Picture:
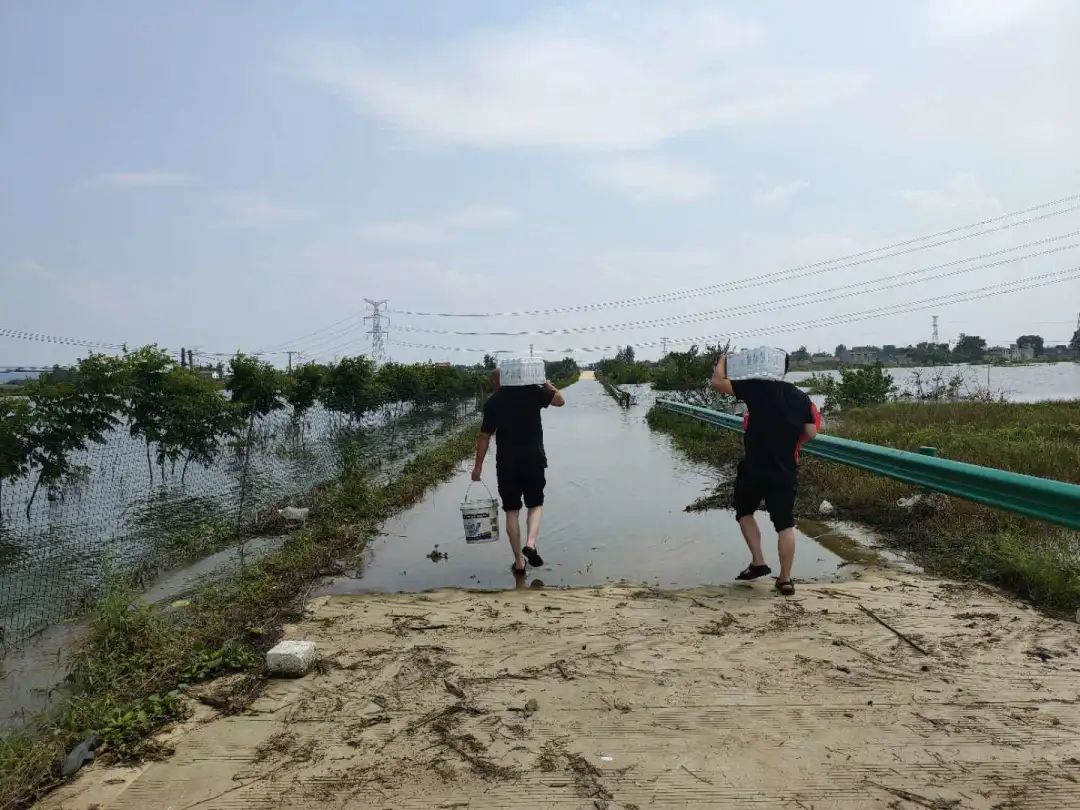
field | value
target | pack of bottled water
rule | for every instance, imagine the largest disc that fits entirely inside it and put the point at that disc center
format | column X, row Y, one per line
column 515, row 371
column 762, row 363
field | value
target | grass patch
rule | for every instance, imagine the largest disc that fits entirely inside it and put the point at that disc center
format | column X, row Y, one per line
column 947, row 536
column 128, row 679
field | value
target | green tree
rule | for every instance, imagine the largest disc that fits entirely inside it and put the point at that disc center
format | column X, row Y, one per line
column 1074, row 344
column 625, row 355
column 255, row 386
column 489, row 362
column 195, row 418
column 839, row 351
column 859, row 387
column 148, row 369
column 969, row 349
column 800, row 355
column 15, row 441
column 305, row 388
column 689, row 373
column 351, row 388
column 66, row 418
column 1034, row 341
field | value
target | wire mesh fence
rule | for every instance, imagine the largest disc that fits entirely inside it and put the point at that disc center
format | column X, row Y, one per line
column 123, row 513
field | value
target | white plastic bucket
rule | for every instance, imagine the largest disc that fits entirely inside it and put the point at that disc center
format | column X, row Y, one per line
column 481, row 518
column 518, row 371
column 762, row 363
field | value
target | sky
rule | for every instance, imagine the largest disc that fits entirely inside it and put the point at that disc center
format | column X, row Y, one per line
column 241, row 176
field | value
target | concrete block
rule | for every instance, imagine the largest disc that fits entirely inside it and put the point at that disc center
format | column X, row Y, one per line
column 291, row 659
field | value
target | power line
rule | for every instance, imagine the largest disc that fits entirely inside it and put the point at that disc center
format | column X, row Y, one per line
column 908, row 277
column 901, row 248
column 17, row 334
column 297, row 340
column 1017, row 285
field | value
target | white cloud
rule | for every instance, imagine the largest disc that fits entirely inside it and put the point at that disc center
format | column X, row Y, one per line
column 593, row 78
column 152, row 179
column 403, row 232
column 962, row 18
column 242, row 210
column 653, row 179
column 476, row 217
column 438, row 229
column 779, row 196
column 961, row 195
column 28, row 269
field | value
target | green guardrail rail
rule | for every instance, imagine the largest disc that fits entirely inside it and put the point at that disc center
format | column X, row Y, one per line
column 1043, row 498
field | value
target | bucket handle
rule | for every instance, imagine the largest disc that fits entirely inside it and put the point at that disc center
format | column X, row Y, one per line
column 485, row 486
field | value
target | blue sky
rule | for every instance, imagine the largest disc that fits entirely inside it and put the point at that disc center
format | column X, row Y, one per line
column 237, row 175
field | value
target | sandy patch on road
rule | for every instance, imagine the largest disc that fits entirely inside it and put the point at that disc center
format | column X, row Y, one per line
column 623, row 698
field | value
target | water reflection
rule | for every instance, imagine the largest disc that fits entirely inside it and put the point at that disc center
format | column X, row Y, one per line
column 615, row 512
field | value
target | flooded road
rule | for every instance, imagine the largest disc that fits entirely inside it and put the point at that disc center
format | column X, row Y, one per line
column 615, row 512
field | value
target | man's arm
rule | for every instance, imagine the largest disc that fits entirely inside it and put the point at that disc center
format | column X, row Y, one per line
column 483, row 441
column 719, row 381
column 811, row 428
column 557, row 399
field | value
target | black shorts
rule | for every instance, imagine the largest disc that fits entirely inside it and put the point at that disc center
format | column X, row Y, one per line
column 778, row 494
column 521, row 482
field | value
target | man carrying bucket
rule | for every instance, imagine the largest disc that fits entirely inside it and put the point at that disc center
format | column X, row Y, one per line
column 512, row 415
column 780, row 418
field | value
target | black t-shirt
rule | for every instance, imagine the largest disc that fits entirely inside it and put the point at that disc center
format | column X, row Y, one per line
column 778, row 412
column 513, row 414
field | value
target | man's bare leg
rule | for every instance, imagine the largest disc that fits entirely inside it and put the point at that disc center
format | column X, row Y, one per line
column 752, row 535
column 513, row 531
column 785, row 543
column 532, row 521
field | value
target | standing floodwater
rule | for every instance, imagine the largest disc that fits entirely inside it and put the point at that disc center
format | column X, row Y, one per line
column 615, row 511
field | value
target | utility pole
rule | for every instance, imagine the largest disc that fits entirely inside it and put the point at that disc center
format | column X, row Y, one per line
column 530, row 350
column 663, row 350
column 934, row 340
column 379, row 323
column 291, row 353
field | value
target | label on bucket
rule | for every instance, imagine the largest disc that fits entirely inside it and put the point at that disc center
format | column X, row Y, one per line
column 481, row 521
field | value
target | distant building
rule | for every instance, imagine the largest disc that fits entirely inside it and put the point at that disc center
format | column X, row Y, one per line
column 1059, row 352
column 819, row 358
column 1004, row 354
column 863, row 355
column 1027, row 352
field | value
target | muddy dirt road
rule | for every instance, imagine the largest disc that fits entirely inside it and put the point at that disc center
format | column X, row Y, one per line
column 614, row 697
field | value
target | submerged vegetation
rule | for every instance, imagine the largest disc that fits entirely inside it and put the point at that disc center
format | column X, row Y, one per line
column 182, row 415
column 135, row 672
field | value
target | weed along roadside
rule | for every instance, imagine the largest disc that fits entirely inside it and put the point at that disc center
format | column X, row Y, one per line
column 140, row 666
column 143, row 667
column 948, row 536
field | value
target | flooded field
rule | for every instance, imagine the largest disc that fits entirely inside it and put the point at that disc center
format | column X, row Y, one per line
column 1037, row 382
column 125, row 516
column 615, row 512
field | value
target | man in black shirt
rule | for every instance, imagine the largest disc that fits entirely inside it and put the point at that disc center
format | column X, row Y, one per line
column 512, row 415
column 781, row 417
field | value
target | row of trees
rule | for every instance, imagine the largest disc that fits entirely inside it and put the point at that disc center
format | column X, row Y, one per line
column 183, row 416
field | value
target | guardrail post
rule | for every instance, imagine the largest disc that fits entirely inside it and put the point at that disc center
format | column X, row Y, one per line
column 928, row 451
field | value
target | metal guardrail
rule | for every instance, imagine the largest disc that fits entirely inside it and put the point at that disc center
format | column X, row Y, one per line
column 1043, row 498
column 622, row 397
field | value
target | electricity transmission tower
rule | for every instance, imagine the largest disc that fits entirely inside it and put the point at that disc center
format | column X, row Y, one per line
column 379, row 321
column 934, row 340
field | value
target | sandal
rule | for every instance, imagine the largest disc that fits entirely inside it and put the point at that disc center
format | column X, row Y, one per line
column 754, row 572
column 534, row 558
column 787, row 588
